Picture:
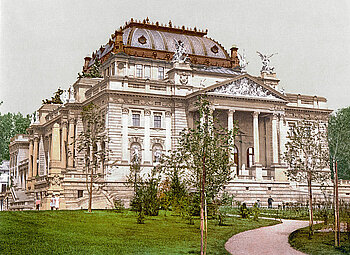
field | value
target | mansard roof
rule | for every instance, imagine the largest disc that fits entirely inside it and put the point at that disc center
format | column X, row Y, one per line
column 244, row 86
column 157, row 41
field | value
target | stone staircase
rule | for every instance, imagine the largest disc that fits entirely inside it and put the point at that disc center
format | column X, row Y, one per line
column 20, row 200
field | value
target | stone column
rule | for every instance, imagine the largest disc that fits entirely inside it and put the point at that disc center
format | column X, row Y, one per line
column 30, row 163
column 63, row 145
column 256, row 137
column 167, row 131
column 147, row 144
column 71, row 138
column 274, row 140
column 230, row 127
column 35, row 156
column 125, row 145
column 55, row 146
column 257, row 166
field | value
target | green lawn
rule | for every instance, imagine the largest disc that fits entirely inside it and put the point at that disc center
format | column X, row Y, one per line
column 107, row 232
column 322, row 243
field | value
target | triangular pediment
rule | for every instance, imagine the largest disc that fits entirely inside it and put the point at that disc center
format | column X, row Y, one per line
column 246, row 87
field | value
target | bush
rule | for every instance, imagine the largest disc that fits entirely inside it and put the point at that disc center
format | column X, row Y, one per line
column 244, row 212
column 118, row 205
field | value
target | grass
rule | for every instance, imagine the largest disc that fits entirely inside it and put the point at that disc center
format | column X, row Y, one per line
column 322, row 243
column 108, row 232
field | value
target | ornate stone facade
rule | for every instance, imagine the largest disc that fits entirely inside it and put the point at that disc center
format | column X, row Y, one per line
column 148, row 99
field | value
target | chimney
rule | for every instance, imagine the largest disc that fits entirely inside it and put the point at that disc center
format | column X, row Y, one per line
column 234, row 56
column 118, row 43
column 86, row 63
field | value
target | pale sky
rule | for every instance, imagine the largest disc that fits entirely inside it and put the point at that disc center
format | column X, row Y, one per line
column 43, row 43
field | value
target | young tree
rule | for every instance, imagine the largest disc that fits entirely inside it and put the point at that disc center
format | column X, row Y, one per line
column 204, row 152
column 339, row 149
column 10, row 125
column 91, row 143
column 339, row 141
column 145, row 200
column 307, row 156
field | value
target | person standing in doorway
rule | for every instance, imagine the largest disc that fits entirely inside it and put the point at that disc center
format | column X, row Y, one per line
column 269, row 202
column 37, row 204
column 57, row 202
column 53, row 202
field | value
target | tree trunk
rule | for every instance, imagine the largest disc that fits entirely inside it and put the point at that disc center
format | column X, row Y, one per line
column 202, row 205
column 90, row 193
column 311, row 211
column 336, row 206
column 206, row 225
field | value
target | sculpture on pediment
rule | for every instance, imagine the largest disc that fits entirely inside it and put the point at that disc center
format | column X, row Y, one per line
column 265, row 59
column 180, row 54
column 245, row 87
column 243, row 63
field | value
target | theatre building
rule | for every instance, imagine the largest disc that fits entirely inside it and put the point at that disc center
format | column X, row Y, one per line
column 151, row 77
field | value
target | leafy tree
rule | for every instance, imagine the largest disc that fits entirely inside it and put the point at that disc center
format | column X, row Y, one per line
column 146, row 200
column 307, row 156
column 204, row 154
column 339, row 141
column 90, row 142
column 93, row 72
column 10, row 125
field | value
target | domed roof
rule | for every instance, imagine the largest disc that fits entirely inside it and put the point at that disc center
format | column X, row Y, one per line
column 157, row 41
column 165, row 41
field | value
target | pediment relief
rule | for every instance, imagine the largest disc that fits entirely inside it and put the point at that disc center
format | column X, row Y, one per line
column 245, row 87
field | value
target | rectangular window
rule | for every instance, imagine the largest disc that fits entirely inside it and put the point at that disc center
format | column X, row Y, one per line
column 148, row 72
column 113, row 69
column 136, row 119
column 80, row 193
column 160, row 73
column 3, row 188
column 139, row 71
column 157, row 121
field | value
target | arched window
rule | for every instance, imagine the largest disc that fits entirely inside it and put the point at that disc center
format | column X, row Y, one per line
column 235, row 158
column 250, row 157
column 157, row 151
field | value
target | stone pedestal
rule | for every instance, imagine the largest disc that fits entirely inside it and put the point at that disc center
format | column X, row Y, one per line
column 258, row 172
column 279, row 173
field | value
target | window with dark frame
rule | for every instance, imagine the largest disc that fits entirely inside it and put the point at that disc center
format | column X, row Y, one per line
column 80, row 193
column 160, row 73
column 136, row 119
column 250, row 157
column 139, row 71
column 157, row 121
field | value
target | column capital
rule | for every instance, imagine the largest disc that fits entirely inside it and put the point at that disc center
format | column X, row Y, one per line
column 274, row 116
column 147, row 112
column 167, row 114
column 125, row 110
column 255, row 114
column 231, row 110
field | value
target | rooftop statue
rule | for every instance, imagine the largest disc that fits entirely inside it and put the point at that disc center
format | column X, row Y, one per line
column 243, row 63
column 71, row 98
column 265, row 59
column 180, row 54
column 55, row 99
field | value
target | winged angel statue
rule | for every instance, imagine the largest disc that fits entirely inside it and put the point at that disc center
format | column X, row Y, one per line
column 265, row 59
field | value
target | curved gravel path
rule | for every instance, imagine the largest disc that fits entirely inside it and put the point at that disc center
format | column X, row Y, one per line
column 266, row 240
